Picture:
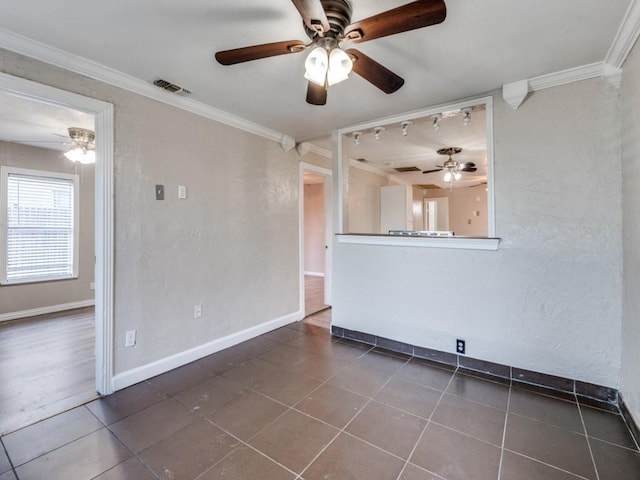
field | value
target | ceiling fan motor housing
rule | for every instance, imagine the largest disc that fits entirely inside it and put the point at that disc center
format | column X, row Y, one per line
column 339, row 16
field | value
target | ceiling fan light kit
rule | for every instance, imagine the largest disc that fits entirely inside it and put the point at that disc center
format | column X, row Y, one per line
column 83, row 146
column 327, row 23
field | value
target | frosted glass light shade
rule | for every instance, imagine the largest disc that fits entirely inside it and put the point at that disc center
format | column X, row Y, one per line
column 79, row 155
column 316, row 66
column 339, row 66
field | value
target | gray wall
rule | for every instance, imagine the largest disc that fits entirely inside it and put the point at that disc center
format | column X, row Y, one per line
column 549, row 299
column 17, row 298
column 630, row 387
column 232, row 246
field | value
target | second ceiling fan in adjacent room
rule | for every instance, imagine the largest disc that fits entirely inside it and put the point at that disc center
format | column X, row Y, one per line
column 328, row 24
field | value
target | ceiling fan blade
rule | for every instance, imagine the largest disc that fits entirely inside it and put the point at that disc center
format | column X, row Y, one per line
column 316, row 94
column 467, row 164
column 373, row 72
column 313, row 14
column 469, row 169
column 255, row 52
column 418, row 14
column 434, row 170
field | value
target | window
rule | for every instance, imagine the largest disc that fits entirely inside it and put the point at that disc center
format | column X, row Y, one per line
column 39, row 225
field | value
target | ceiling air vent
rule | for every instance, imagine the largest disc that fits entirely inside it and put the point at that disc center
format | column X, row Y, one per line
column 171, row 87
column 407, row 169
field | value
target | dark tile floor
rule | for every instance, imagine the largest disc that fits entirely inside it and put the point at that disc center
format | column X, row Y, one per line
column 298, row 404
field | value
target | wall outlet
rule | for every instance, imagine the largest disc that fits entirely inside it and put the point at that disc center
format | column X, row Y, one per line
column 182, row 191
column 197, row 311
column 460, row 346
column 130, row 339
column 92, row 285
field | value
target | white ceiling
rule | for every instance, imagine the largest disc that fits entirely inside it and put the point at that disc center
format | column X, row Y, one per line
column 38, row 124
column 479, row 47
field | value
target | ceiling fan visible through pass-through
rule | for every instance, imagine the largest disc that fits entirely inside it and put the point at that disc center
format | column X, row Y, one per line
column 451, row 167
column 328, row 24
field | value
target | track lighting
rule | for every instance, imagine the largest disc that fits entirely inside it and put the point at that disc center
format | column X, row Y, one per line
column 435, row 121
column 356, row 138
column 377, row 132
column 405, row 127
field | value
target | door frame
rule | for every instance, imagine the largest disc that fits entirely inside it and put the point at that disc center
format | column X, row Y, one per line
column 103, row 222
column 328, row 229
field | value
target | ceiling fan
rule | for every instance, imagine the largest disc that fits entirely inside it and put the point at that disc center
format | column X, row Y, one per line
column 452, row 167
column 328, row 24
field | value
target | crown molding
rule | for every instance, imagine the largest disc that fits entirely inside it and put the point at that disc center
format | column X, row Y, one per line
column 88, row 68
column 626, row 37
column 515, row 93
column 323, row 152
column 570, row 75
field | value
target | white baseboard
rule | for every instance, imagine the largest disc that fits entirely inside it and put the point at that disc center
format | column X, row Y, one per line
column 314, row 274
column 44, row 310
column 136, row 375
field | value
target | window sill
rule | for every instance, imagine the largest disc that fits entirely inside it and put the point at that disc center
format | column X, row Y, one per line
column 466, row 243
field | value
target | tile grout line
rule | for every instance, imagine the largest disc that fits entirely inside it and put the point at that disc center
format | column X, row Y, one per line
column 13, row 468
column 342, row 430
column 427, row 424
column 289, row 408
column 586, row 436
column 554, row 467
column 504, row 430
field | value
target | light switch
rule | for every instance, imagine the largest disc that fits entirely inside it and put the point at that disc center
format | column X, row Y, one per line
column 159, row 192
column 182, row 191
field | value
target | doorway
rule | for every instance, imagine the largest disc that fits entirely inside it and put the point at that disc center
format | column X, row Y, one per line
column 315, row 238
column 102, row 227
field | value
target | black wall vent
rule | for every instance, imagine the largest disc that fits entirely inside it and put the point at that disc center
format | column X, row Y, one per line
column 171, row 87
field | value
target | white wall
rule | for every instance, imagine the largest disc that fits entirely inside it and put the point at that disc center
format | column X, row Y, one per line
column 463, row 202
column 364, row 200
column 630, row 387
column 314, row 221
column 549, row 299
column 19, row 298
column 231, row 245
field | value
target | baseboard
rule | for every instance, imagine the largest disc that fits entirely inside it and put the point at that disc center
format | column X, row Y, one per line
column 33, row 312
column 630, row 420
column 590, row 394
column 139, row 374
column 314, row 274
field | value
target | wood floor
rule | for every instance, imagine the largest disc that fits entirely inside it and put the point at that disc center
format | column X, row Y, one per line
column 47, row 365
column 313, row 294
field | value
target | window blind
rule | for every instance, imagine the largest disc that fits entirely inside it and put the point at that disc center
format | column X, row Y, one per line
column 40, row 223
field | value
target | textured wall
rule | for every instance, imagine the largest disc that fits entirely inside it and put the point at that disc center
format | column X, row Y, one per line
column 232, row 246
column 314, row 221
column 364, row 201
column 630, row 387
column 16, row 298
column 549, row 299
